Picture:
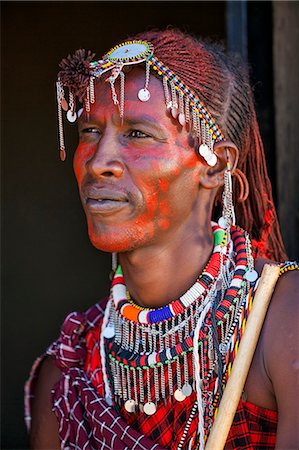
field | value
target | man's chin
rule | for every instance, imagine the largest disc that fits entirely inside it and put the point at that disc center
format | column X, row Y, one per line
column 110, row 244
column 119, row 238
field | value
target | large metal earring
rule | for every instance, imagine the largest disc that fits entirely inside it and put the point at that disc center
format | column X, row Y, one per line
column 228, row 217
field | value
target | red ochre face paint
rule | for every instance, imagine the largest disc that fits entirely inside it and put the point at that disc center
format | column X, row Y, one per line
column 138, row 179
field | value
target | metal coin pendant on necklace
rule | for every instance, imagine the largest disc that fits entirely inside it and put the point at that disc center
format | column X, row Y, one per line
column 251, row 275
column 149, row 408
column 187, row 390
column 179, row 395
column 130, row 406
column 109, row 331
column 222, row 222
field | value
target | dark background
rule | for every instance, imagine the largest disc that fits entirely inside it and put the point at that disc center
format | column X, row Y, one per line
column 50, row 267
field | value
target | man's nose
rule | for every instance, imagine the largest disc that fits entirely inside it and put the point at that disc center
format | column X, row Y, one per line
column 107, row 160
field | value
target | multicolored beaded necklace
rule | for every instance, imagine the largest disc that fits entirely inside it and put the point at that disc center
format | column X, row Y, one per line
column 187, row 346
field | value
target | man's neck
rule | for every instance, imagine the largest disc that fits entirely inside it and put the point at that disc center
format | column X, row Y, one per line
column 160, row 273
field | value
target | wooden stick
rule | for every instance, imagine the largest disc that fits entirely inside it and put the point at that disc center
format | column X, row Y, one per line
column 233, row 390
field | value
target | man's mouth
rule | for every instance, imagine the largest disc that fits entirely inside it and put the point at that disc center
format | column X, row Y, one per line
column 103, row 201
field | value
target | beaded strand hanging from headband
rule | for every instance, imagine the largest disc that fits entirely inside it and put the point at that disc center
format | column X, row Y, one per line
column 79, row 73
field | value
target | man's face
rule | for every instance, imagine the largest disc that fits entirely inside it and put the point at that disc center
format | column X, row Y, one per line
column 138, row 180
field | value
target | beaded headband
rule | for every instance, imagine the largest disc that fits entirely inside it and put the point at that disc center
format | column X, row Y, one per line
column 79, row 73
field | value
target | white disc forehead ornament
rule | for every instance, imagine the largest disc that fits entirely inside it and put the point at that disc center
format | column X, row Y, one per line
column 131, row 52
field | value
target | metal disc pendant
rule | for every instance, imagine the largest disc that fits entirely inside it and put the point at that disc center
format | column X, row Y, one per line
column 62, row 154
column 204, row 150
column 251, row 275
column 130, row 406
column 149, row 408
column 212, row 161
column 187, row 389
column 179, row 396
column 64, row 104
column 182, row 119
column 174, row 112
column 144, row 95
column 80, row 111
column 109, row 331
column 71, row 116
column 222, row 222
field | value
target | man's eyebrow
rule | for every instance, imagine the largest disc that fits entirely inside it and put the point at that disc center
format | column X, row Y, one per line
column 144, row 119
column 129, row 120
column 87, row 117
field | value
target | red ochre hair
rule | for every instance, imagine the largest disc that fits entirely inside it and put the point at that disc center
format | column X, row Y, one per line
column 222, row 84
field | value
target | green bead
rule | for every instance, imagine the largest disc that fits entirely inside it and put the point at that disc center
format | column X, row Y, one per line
column 218, row 237
column 118, row 271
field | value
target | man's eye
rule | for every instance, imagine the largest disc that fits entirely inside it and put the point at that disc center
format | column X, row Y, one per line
column 90, row 130
column 138, row 134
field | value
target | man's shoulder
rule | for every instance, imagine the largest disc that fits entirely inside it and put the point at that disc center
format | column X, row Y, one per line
column 280, row 353
column 286, row 292
column 287, row 289
column 283, row 309
column 281, row 322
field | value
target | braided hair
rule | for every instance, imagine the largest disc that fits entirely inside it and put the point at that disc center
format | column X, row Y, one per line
column 222, row 83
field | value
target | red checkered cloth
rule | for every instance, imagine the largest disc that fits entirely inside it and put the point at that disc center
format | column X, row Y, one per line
column 253, row 428
column 86, row 420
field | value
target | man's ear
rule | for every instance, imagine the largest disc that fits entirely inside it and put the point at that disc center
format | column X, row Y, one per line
column 212, row 177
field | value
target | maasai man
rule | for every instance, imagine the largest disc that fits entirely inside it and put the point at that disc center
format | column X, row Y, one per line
column 171, row 171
